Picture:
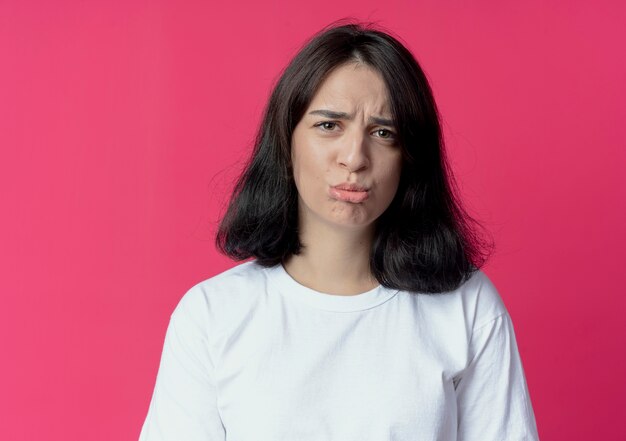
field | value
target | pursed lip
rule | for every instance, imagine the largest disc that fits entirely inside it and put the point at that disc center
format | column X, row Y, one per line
column 349, row 192
column 349, row 186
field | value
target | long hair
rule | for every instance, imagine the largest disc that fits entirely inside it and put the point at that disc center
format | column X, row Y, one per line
column 424, row 241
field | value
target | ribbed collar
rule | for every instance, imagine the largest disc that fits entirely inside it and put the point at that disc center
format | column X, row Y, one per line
column 292, row 289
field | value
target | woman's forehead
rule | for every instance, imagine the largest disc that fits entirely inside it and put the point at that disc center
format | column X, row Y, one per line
column 351, row 88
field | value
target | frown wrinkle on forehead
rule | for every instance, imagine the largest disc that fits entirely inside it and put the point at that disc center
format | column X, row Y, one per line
column 362, row 94
column 343, row 115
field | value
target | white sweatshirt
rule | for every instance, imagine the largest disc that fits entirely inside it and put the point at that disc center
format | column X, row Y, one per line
column 253, row 355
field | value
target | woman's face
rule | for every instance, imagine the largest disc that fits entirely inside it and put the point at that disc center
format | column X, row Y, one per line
column 346, row 136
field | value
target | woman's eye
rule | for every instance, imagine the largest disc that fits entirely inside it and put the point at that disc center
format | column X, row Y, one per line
column 389, row 133
column 325, row 125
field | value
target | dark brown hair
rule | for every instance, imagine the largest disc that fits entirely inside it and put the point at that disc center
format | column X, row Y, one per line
column 425, row 241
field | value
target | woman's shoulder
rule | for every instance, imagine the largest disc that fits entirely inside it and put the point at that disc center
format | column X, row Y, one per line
column 243, row 274
column 228, row 292
column 482, row 299
column 477, row 300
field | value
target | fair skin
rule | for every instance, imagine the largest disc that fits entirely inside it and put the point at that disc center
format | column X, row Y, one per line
column 337, row 227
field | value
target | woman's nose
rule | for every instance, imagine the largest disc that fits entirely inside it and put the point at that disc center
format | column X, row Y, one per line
column 353, row 153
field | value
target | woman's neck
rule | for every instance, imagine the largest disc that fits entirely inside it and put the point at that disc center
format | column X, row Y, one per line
column 333, row 260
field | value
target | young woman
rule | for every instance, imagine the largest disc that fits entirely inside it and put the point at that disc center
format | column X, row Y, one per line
column 363, row 314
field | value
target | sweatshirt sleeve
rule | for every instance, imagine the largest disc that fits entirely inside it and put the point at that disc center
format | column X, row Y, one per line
column 184, row 401
column 492, row 395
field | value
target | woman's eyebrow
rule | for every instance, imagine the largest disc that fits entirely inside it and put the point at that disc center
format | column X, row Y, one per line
column 344, row 115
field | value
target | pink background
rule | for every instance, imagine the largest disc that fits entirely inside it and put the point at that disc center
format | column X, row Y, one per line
column 123, row 124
